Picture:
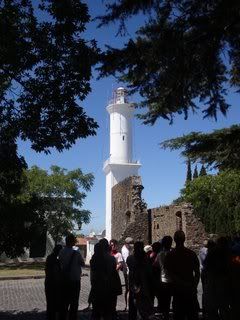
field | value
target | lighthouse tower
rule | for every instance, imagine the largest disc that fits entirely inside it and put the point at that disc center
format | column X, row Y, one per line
column 120, row 164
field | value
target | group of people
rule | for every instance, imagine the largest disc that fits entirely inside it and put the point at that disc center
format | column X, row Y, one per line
column 62, row 283
column 151, row 273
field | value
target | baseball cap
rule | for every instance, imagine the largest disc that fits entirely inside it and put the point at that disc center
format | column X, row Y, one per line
column 148, row 248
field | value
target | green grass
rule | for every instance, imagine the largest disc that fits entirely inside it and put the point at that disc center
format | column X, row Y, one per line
column 23, row 269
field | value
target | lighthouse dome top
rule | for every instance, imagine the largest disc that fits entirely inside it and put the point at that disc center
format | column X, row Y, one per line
column 120, row 95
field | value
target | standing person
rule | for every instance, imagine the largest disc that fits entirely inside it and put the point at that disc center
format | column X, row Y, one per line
column 235, row 294
column 105, row 282
column 52, row 283
column 71, row 263
column 156, row 248
column 182, row 266
column 217, row 281
column 126, row 250
column 165, row 290
column 119, row 260
column 203, row 252
column 116, row 254
column 140, row 283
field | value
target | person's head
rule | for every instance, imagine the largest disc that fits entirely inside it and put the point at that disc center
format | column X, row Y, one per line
column 129, row 242
column 167, row 242
column 70, row 240
column 113, row 244
column 210, row 244
column 156, row 247
column 205, row 243
column 139, row 250
column 97, row 249
column 148, row 249
column 57, row 249
column 104, row 245
column 223, row 243
column 179, row 238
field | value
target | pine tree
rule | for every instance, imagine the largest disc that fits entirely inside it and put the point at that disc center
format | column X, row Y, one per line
column 189, row 171
column 195, row 173
column 199, row 62
column 203, row 171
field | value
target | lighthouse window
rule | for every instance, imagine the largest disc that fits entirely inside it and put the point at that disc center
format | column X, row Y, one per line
column 123, row 137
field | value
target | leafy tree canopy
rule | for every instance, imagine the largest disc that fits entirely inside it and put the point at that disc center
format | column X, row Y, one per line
column 50, row 201
column 45, row 69
column 13, row 213
column 215, row 199
column 186, row 54
column 61, row 194
column 220, row 149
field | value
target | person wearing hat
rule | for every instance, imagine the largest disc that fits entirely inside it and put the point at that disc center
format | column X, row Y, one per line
column 148, row 250
column 126, row 249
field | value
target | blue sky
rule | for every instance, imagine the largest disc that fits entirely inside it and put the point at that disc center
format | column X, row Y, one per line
column 163, row 172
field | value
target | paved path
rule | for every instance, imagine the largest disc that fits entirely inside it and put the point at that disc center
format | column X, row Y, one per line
column 25, row 299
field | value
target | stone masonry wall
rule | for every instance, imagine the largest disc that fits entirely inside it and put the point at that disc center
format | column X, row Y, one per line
column 130, row 217
column 129, row 214
column 168, row 219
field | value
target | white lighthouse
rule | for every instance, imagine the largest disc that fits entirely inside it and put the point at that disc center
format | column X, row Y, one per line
column 120, row 164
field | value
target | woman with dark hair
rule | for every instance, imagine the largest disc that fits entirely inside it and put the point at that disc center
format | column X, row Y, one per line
column 116, row 254
column 141, row 283
column 105, row 282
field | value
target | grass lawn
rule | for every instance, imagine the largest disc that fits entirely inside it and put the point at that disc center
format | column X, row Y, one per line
column 23, row 269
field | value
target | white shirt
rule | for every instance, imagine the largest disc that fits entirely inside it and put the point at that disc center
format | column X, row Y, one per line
column 118, row 257
column 76, row 264
column 202, row 256
column 161, row 260
column 125, row 254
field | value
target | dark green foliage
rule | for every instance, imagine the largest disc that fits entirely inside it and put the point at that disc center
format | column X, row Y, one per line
column 11, row 167
column 186, row 52
column 45, row 72
column 13, row 235
column 60, row 195
column 203, row 171
column 45, row 67
column 189, row 171
column 220, row 149
column 215, row 199
column 195, row 173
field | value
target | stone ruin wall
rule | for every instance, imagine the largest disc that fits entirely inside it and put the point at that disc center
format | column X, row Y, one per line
column 168, row 219
column 130, row 217
column 129, row 213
